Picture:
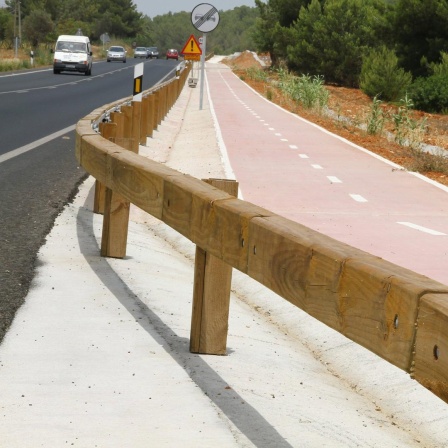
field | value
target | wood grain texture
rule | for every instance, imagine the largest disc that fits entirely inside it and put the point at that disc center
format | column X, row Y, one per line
column 211, row 294
column 127, row 136
column 136, row 125
column 115, row 225
column 151, row 115
column 222, row 227
column 430, row 366
column 108, row 131
column 369, row 300
column 140, row 180
column 144, row 120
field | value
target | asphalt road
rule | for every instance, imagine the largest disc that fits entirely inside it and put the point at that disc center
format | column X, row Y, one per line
column 39, row 173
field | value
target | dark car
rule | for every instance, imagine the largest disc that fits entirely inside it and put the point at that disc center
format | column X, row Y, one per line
column 172, row 54
column 153, row 52
column 140, row 52
column 116, row 54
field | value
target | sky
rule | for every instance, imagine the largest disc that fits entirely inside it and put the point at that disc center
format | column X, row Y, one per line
column 154, row 8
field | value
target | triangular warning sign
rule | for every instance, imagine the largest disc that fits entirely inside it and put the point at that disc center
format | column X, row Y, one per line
column 192, row 46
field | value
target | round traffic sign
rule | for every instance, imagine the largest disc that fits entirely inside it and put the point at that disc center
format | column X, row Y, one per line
column 205, row 17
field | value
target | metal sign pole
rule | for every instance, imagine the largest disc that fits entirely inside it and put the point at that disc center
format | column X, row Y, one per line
column 204, row 48
column 205, row 18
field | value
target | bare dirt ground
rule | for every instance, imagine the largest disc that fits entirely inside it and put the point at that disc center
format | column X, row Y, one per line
column 355, row 105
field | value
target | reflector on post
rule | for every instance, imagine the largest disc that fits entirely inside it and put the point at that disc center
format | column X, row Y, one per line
column 138, row 82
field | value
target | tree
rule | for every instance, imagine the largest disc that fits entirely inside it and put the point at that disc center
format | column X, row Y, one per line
column 6, row 24
column 421, row 33
column 287, row 11
column 264, row 34
column 381, row 76
column 331, row 40
column 36, row 26
column 234, row 32
column 123, row 17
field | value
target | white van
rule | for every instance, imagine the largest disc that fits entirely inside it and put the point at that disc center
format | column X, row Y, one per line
column 73, row 53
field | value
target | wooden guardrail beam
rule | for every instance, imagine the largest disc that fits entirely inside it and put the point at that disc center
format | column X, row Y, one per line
column 371, row 301
column 398, row 314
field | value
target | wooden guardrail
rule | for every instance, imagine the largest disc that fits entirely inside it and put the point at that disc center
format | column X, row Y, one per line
column 397, row 314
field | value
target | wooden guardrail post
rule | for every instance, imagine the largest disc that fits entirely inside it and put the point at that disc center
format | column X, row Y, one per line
column 126, row 141
column 115, row 225
column 158, row 104
column 151, row 115
column 116, row 208
column 211, row 294
column 135, row 127
column 165, row 101
column 108, row 131
column 144, row 120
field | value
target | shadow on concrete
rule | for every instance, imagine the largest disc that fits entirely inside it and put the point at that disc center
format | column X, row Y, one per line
column 247, row 419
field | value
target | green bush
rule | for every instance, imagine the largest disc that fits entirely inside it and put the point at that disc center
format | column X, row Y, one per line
column 430, row 94
column 381, row 77
column 440, row 68
column 9, row 65
column 375, row 119
column 256, row 74
column 308, row 91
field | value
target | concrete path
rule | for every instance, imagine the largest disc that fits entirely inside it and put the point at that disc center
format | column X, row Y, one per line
column 98, row 355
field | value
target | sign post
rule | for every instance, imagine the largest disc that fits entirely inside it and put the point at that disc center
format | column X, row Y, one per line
column 138, row 82
column 205, row 18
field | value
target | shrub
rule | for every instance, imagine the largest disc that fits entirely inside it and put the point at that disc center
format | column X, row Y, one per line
column 308, row 91
column 408, row 131
column 440, row 68
column 375, row 119
column 8, row 65
column 256, row 74
column 430, row 94
column 381, row 77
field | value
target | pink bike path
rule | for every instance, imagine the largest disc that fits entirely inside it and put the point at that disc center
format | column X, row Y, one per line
column 299, row 170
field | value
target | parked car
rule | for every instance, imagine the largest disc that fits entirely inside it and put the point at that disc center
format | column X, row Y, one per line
column 172, row 54
column 153, row 52
column 116, row 54
column 140, row 52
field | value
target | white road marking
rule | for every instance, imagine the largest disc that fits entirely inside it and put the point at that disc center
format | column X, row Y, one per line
column 358, row 198
column 303, row 156
column 284, row 139
column 421, row 228
column 30, row 146
column 293, row 147
column 334, row 180
column 317, row 167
